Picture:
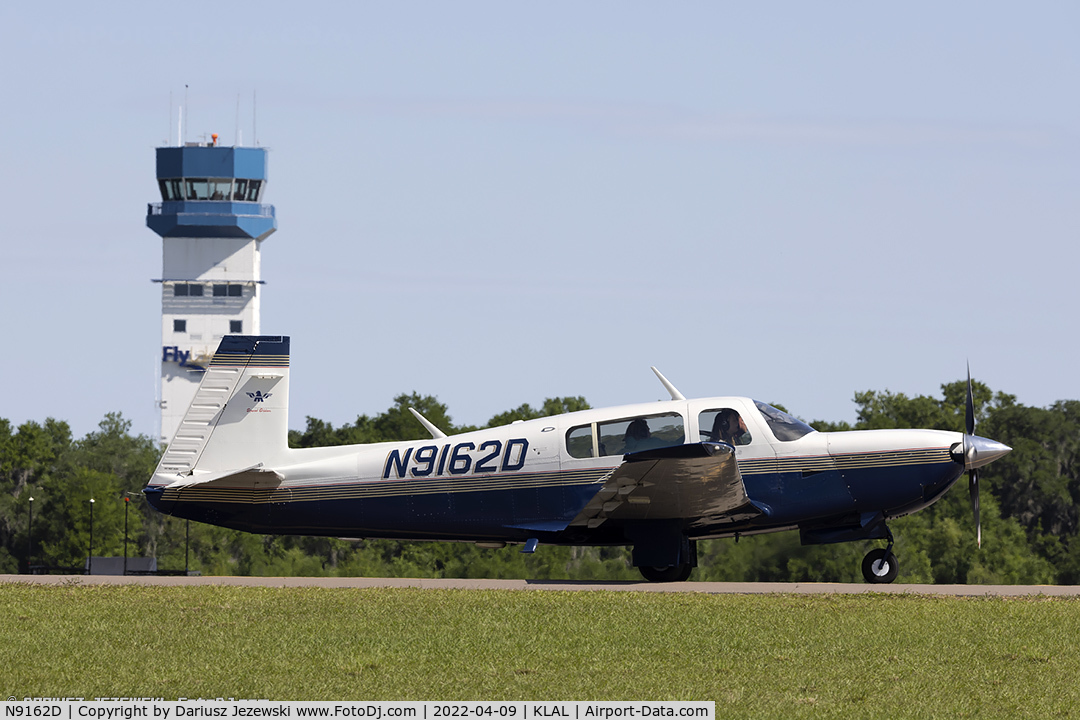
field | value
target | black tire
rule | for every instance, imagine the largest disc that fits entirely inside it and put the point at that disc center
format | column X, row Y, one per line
column 672, row 573
column 880, row 566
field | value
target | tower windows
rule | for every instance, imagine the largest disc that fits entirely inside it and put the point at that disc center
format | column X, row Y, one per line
column 171, row 189
column 236, row 327
column 228, row 291
column 197, row 189
column 179, row 325
column 254, row 186
column 222, row 189
column 187, row 290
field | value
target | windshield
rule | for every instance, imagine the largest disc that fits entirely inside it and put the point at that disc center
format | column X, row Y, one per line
column 783, row 426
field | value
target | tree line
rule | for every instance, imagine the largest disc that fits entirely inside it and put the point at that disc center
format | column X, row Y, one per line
column 1030, row 506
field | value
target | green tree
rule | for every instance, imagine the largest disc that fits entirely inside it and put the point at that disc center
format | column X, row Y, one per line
column 551, row 406
column 1038, row 483
column 396, row 423
column 28, row 462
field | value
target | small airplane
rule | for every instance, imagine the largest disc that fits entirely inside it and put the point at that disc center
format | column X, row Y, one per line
column 656, row 476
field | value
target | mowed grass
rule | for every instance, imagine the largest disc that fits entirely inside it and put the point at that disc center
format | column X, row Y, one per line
column 756, row 656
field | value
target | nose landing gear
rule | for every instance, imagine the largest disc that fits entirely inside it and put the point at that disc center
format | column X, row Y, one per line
column 880, row 565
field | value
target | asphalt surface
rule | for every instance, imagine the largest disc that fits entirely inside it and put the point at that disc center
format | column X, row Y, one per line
column 566, row 585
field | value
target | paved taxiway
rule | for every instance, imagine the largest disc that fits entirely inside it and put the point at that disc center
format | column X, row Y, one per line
column 572, row 585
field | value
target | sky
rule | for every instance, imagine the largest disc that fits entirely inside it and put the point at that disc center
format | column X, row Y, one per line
column 495, row 203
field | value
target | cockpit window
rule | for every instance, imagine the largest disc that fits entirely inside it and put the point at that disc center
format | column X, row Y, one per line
column 783, row 426
column 724, row 425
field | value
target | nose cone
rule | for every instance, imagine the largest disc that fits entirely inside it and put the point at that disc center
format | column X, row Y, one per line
column 981, row 451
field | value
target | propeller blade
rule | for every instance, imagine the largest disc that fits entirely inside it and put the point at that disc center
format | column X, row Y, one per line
column 969, row 407
column 973, row 489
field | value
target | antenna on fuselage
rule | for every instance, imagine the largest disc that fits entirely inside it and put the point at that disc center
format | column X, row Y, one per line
column 435, row 432
column 675, row 394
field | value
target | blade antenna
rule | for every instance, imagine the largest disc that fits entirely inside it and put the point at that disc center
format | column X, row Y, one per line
column 675, row 394
column 435, row 432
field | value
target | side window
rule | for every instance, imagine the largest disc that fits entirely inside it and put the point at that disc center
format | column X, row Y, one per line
column 579, row 441
column 647, row 432
column 723, row 425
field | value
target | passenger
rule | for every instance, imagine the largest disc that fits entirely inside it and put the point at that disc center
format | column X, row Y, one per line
column 729, row 427
column 638, row 437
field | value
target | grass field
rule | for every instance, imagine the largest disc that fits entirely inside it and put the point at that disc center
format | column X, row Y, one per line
column 756, row 656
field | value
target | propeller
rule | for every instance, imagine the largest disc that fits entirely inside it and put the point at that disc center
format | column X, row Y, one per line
column 977, row 451
column 970, row 455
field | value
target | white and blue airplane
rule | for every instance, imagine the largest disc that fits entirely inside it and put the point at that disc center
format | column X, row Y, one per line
column 655, row 476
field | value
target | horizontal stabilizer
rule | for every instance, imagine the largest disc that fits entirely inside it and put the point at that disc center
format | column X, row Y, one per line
column 254, row 476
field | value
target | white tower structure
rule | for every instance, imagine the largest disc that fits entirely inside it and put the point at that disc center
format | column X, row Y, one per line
column 212, row 226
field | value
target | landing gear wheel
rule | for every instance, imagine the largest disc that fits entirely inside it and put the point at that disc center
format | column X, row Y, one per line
column 672, row 573
column 880, row 566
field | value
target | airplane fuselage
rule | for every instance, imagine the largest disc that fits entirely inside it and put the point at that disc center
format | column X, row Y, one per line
column 525, row 480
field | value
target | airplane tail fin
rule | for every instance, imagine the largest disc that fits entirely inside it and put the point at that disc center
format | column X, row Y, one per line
column 238, row 419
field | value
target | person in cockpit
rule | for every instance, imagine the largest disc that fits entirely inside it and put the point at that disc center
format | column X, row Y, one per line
column 638, row 437
column 730, row 428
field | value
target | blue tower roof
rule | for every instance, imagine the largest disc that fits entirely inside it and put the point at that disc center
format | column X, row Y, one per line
column 211, row 191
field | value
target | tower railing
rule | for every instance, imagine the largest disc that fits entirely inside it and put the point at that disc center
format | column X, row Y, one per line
column 210, row 207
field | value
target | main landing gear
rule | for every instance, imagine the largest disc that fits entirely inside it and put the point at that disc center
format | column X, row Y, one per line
column 880, row 565
column 673, row 573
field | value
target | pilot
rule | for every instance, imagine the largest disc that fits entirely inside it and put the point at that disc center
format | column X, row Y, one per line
column 729, row 427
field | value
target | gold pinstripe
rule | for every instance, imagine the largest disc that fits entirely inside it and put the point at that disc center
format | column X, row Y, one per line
column 225, row 359
column 389, row 488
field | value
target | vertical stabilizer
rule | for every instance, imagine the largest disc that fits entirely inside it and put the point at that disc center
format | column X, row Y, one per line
column 239, row 416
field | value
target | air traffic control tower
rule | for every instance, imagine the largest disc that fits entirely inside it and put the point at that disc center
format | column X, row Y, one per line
column 212, row 226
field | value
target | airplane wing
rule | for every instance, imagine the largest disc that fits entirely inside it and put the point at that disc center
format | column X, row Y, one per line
column 700, row 482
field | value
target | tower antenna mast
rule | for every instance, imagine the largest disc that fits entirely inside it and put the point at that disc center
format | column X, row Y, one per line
column 183, row 138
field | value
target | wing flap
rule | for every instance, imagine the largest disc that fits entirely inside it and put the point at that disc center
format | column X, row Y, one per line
column 699, row 482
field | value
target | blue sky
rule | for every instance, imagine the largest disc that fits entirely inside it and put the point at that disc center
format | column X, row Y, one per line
column 499, row 202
